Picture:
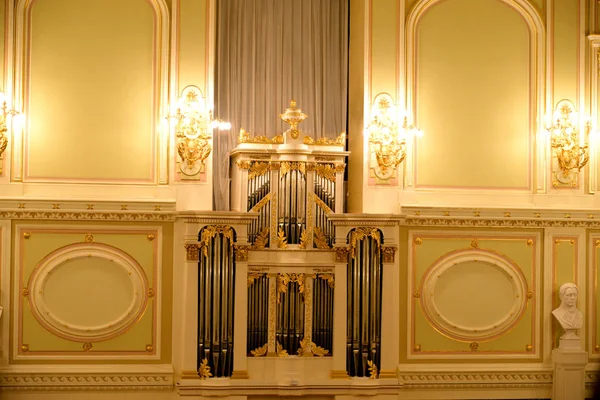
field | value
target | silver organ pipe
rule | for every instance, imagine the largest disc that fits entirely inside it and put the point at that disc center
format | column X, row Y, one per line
column 258, row 192
column 290, row 312
column 292, row 195
column 324, row 192
column 364, row 307
column 322, row 331
column 216, row 276
column 258, row 307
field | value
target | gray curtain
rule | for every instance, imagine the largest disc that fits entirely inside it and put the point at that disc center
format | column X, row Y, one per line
column 268, row 53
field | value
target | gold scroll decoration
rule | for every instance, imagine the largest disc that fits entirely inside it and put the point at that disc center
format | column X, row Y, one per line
column 287, row 166
column 308, row 348
column 244, row 137
column 320, row 239
column 389, row 253
column 359, row 234
column 210, row 232
column 261, row 240
column 241, row 252
column 282, row 283
column 340, row 140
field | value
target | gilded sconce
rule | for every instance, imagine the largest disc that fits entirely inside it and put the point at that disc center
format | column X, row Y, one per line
column 386, row 138
column 5, row 112
column 569, row 152
column 193, row 131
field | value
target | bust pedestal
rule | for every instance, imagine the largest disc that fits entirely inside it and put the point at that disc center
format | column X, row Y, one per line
column 569, row 369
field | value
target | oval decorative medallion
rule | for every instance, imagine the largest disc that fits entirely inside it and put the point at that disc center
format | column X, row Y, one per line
column 88, row 292
column 473, row 295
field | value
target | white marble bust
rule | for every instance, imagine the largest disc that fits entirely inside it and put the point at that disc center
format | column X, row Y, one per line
column 567, row 314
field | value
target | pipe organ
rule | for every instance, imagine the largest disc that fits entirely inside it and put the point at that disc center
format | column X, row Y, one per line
column 298, row 285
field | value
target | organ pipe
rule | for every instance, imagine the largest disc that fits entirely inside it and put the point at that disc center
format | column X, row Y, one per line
column 364, row 302
column 216, row 277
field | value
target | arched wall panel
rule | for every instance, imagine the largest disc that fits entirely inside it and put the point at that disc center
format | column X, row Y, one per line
column 91, row 85
column 475, row 87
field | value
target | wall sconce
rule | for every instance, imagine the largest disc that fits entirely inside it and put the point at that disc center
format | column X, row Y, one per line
column 194, row 125
column 567, row 145
column 387, row 139
column 5, row 112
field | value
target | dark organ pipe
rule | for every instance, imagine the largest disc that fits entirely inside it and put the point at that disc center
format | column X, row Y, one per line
column 364, row 307
column 216, row 277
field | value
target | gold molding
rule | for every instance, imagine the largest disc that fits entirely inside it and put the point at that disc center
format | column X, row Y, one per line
column 341, row 254
column 192, row 252
column 261, row 240
column 241, row 252
column 360, row 233
column 210, row 231
column 389, row 253
column 244, row 137
column 340, row 140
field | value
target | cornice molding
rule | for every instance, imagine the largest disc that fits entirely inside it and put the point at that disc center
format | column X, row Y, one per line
column 217, row 217
column 478, row 380
column 87, row 210
column 92, row 378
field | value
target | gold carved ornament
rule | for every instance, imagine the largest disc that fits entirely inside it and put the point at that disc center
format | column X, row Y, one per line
column 373, row 373
column 281, row 239
column 241, row 252
column 304, row 240
column 280, row 350
column 330, row 278
column 283, row 279
column 308, row 348
column 340, row 140
column 261, row 240
column 204, row 370
column 341, row 254
column 260, row 351
column 359, row 234
column 293, row 116
column 566, row 143
column 244, row 137
column 258, row 168
column 389, row 253
column 252, row 276
column 326, row 171
column 211, row 231
column 261, row 203
column 287, row 166
column 320, row 239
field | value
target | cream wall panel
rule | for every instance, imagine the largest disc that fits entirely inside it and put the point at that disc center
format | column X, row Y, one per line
column 193, row 43
column 473, row 96
column 91, row 91
column 566, row 50
column 384, row 48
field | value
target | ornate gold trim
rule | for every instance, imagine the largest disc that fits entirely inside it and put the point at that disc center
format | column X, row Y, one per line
column 244, row 137
column 309, row 349
column 321, row 204
column 252, row 276
column 282, row 283
column 89, row 238
column 260, row 351
column 210, row 231
column 359, row 234
column 241, row 252
column 192, row 252
column 87, row 346
column 330, row 278
column 204, row 370
column 372, row 370
column 320, row 239
column 340, row 140
column 287, row 166
column 261, row 203
column 341, row 254
column 280, row 351
column 326, row 171
column 281, row 239
column 389, row 253
column 261, row 240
